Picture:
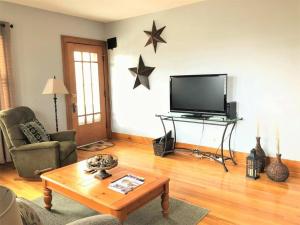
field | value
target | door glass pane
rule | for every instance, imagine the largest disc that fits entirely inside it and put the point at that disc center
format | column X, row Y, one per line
column 97, row 117
column 79, row 88
column 86, row 56
column 77, row 56
column 88, row 88
column 89, row 119
column 96, row 93
column 94, row 57
column 81, row 120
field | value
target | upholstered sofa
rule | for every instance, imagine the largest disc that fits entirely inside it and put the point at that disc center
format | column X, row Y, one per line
column 50, row 218
column 30, row 159
column 17, row 211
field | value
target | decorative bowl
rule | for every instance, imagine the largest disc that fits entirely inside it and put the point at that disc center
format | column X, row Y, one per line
column 102, row 162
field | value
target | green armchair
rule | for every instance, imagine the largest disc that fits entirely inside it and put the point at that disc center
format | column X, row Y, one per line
column 32, row 159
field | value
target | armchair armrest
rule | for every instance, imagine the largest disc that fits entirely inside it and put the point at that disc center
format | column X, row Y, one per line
column 68, row 135
column 37, row 146
column 97, row 220
column 30, row 160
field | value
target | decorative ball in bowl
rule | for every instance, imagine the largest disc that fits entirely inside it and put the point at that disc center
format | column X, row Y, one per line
column 102, row 162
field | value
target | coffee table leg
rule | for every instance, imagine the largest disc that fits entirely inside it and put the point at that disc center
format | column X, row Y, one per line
column 47, row 198
column 165, row 200
column 121, row 216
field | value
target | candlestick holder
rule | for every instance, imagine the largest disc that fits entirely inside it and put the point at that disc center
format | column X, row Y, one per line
column 261, row 155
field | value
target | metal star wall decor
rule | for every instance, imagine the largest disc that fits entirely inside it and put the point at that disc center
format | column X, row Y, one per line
column 154, row 36
column 142, row 73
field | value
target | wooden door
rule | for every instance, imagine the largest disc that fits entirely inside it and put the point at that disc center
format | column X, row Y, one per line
column 86, row 103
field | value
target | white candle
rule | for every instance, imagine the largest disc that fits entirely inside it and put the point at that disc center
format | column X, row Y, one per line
column 277, row 141
column 257, row 128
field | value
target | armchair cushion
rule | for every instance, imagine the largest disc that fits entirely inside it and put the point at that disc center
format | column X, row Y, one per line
column 34, row 131
column 16, row 136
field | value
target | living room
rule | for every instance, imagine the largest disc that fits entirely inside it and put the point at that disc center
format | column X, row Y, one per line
column 204, row 170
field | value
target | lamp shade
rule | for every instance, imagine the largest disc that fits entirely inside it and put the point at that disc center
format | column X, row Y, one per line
column 9, row 213
column 55, row 86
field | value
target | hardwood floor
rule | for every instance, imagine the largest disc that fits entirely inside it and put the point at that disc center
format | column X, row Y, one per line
column 230, row 197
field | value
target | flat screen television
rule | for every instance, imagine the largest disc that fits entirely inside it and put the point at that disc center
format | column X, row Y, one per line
column 199, row 94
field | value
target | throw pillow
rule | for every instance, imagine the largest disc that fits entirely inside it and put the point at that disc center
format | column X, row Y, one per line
column 41, row 125
column 28, row 215
column 34, row 131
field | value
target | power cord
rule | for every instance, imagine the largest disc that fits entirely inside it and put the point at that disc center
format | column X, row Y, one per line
column 223, row 143
column 225, row 140
column 202, row 133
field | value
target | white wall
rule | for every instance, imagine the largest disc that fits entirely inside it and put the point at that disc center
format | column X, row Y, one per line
column 36, row 53
column 256, row 42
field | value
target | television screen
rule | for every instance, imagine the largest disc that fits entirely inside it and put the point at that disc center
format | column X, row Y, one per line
column 198, row 93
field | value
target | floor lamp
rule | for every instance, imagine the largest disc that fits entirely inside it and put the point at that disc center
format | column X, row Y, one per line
column 53, row 87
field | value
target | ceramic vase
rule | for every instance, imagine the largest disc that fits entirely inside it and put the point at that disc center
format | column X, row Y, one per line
column 277, row 171
column 261, row 154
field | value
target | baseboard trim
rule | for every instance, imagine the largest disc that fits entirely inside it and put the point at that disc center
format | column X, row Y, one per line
column 240, row 157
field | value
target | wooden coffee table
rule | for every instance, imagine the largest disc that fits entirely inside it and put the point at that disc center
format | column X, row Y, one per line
column 73, row 182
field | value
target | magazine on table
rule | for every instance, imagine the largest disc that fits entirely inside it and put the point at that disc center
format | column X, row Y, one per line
column 126, row 184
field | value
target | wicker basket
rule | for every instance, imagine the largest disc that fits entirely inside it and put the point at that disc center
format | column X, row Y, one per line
column 159, row 145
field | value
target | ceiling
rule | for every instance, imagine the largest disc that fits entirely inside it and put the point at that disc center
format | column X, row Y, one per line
column 104, row 10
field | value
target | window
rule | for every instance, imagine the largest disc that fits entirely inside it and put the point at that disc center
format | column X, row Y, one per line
column 87, row 87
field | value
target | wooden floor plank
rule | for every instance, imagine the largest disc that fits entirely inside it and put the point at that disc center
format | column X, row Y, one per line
column 230, row 197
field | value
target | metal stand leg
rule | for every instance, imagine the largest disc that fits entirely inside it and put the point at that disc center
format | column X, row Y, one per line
column 163, row 124
column 174, row 128
column 222, row 148
column 230, row 152
column 165, row 151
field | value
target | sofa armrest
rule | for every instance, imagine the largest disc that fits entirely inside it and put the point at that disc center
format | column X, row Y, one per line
column 97, row 220
column 68, row 135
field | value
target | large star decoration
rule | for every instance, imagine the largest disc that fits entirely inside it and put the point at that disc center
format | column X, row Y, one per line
column 142, row 73
column 154, row 36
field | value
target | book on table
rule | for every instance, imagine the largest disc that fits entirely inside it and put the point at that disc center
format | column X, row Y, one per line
column 126, row 184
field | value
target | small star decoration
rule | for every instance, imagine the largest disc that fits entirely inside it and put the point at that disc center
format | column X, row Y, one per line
column 142, row 72
column 154, row 36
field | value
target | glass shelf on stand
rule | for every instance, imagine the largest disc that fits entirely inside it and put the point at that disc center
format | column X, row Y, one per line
column 215, row 120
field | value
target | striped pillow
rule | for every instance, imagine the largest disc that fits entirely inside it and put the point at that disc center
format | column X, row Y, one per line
column 34, row 131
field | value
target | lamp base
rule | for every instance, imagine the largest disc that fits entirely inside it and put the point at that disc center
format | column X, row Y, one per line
column 55, row 110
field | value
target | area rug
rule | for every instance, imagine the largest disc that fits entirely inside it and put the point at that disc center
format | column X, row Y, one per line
column 100, row 145
column 180, row 213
